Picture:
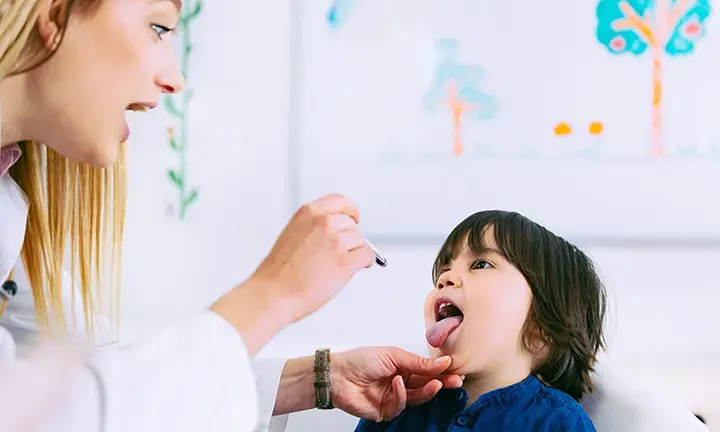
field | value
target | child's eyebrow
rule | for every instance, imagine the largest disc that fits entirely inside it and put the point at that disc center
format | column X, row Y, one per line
column 484, row 251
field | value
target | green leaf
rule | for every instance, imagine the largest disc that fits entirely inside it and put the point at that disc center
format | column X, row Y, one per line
column 188, row 50
column 173, row 142
column 195, row 11
column 191, row 197
column 169, row 104
column 176, row 178
column 188, row 95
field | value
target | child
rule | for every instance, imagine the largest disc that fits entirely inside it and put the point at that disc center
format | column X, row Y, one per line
column 521, row 311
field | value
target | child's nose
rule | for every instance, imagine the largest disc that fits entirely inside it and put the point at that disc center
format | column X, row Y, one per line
column 448, row 279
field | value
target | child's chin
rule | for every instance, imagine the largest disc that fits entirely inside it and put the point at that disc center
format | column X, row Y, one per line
column 452, row 346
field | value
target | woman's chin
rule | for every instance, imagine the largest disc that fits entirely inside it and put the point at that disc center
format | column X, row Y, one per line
column 102, row 156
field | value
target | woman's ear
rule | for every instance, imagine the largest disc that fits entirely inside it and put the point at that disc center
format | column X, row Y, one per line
column 52, row 19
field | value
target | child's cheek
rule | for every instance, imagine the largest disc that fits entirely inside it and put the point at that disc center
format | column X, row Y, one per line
column 428, row 310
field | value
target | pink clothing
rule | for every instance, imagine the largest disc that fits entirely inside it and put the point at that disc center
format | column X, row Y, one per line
column 8, row 156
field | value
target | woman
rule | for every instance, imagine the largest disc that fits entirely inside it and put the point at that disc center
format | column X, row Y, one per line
column 103, row 57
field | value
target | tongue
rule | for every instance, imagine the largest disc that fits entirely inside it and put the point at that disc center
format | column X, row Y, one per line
column 439, row 331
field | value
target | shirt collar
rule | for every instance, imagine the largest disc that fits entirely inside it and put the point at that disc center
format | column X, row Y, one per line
column 456, row 399
column 9, row 154
column 14, row 207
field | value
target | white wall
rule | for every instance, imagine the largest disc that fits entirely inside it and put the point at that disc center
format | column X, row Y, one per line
column 664, row 316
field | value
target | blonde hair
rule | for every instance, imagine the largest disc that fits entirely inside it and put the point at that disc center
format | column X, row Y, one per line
column 73, row 207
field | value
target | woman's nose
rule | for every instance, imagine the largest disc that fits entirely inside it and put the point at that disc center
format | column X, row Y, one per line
column 171, row 80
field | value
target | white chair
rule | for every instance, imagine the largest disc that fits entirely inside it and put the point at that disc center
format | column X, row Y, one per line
column 624, row 403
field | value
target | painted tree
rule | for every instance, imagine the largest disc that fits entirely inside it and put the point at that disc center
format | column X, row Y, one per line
column 457, row 87
column 178, row 136
column 670, row 27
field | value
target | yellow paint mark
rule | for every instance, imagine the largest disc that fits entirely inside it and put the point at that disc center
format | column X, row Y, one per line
column 596, row 128
column 562, row 129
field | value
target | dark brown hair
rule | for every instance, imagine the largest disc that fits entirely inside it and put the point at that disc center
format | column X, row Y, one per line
column 568, row 298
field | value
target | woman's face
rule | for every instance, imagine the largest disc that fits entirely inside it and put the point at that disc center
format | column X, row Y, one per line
column 116, row 54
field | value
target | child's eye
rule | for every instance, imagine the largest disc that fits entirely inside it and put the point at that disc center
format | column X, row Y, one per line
column 481, row 264
column 160, row 30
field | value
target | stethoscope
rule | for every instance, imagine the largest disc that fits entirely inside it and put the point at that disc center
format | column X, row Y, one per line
column 8, row 290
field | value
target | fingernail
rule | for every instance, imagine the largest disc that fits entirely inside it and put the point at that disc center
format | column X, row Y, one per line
column 442, row 359
column 462, row 377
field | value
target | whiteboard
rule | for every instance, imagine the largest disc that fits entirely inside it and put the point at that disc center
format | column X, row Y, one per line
column 424, row 112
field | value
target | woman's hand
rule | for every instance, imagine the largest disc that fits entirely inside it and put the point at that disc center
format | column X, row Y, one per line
column 377, row 383
column 315, row 256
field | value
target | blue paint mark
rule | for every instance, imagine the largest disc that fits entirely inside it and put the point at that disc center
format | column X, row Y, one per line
column 682, row 41
column 340, row 11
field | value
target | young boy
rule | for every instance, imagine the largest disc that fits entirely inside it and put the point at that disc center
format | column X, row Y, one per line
column 520, row 311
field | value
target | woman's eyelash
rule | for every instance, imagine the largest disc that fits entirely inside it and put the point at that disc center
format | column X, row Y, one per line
column 161, row 30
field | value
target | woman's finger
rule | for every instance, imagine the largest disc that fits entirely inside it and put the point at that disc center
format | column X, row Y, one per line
column 358, row 259
column 350, row 239
column 356, row 253
column 417, row 381
column 448, row 381
column 398, row 400
column 423, row 394
column 333, row 204
column 451, row 381
column 334, row 224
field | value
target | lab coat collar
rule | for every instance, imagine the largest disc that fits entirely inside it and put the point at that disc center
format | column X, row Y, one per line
column 13, row 219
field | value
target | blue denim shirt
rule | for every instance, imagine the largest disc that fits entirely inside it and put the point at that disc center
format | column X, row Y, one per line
column 528, row 406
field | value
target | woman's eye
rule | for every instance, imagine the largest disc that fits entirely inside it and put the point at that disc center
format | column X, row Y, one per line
column 481, row 264
column 160, row 30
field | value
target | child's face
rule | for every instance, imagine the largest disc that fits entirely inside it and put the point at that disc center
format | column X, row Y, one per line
column 493, row 298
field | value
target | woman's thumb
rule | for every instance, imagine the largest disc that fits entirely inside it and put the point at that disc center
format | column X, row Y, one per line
column 415, row 364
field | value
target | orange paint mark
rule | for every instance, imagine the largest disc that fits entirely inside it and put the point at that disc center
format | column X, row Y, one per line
column 656, row 144
column 596, row 128
column 458, row 108
column 562, row 129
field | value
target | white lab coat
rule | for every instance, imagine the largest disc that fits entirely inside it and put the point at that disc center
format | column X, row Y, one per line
column 194, row 375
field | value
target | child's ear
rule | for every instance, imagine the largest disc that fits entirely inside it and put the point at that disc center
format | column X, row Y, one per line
column 539, row 341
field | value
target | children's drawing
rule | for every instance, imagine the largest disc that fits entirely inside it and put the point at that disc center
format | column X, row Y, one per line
column 340, row 11
column 670, row 26
column 178, row 133
column 594, row 128
column 577, row 141
column 457, row 87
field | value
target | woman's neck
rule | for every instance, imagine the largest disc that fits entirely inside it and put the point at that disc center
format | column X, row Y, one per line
column 14, row 110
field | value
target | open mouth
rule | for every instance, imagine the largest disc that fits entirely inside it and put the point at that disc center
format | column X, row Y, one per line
column 448, row 317
column 445, row 308
column 136, row 107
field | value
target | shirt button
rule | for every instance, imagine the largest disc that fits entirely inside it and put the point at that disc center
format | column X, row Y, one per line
column 462, row 420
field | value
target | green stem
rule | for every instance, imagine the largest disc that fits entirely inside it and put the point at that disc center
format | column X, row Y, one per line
column 184, row 124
